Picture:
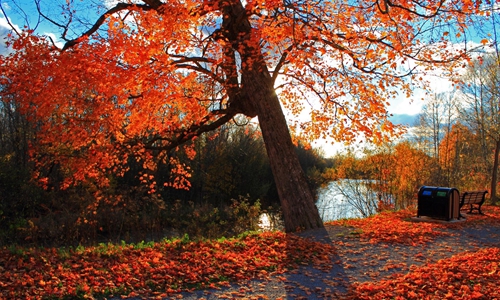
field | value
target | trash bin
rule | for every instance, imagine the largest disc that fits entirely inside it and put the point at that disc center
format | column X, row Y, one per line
column 438, row 203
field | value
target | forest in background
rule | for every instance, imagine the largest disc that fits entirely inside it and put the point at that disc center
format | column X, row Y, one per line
column 456, row 143
column 231, row 183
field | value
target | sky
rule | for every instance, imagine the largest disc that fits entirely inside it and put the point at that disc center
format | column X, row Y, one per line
column 404, row 111
column 4, row 30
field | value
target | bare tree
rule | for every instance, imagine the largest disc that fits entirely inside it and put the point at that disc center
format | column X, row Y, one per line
column 481, row 92
column 436, row 121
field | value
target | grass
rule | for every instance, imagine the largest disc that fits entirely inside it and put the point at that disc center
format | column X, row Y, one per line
column 168, row 267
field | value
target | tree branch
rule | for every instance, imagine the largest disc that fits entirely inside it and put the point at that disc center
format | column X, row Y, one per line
column 65, row 27
column 193, row 131
column 8, row 20
column 281, row 63
column 389, row 3
column 119, row 7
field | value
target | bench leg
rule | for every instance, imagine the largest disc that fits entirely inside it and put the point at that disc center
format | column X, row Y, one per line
column 474, row 208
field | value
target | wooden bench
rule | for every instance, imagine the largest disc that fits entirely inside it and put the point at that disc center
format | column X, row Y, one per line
column 473, row 198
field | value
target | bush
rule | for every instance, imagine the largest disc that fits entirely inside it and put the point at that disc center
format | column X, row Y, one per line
column 208, row 221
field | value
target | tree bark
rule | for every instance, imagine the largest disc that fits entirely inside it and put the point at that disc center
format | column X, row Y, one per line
column 259, row 98
column 297, row 200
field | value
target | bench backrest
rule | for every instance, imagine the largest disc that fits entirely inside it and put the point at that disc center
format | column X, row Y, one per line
column 472, row 197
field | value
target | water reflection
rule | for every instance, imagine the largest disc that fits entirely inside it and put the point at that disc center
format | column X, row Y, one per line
column 347, row 198
column 265, row 222
column 340, row 199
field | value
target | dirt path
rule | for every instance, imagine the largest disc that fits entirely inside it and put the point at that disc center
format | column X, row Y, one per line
column 356, row 260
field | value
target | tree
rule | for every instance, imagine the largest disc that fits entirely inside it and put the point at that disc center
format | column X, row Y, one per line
column 481, row 90
column 396, row 171
column 466, row 163
column 412, row 169
column 147, row 76
column 436, row 120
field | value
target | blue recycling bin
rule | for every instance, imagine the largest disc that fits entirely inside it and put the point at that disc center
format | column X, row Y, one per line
column 439, row 203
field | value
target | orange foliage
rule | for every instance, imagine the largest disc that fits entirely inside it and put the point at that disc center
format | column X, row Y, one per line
column 159, row 73
column 462, row 160
column 162, row 268
column 472, row 275
column 412, row 169
column 396, row 172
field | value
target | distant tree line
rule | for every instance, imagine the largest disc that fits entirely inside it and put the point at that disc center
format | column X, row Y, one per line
column 231, row 184
column 456, row 143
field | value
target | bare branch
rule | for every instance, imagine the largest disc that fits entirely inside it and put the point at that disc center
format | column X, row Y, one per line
column 8, row 20
column 119, row 7
column 280, row 64
column 200, row 69
column 65, row 27
column 389, row 3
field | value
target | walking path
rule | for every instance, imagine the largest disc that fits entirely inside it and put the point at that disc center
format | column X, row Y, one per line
column 358, row 260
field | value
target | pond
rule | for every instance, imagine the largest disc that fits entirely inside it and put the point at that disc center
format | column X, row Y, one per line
column 346, row 198
column 341, row 199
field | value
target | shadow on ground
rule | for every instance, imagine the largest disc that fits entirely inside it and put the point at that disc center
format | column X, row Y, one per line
column 306, row 282
column 356, row 261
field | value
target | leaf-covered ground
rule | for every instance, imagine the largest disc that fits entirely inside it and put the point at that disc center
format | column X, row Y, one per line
column 148, row 270
column 383, row 257
column 426, row 260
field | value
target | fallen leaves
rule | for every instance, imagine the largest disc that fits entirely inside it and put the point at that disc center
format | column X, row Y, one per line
column 393, row 227
column 396, row 227
column 470, row 275
column 396, row 258
column 152, row 269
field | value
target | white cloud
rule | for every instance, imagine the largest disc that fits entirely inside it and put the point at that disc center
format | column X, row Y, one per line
column 413, row 106
column 6, row 6
column 113, row 3
column 57, row 42
column 436, row 81
column 5, row 29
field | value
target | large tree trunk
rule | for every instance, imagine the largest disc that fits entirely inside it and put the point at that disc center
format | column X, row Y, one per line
column 297, row 200
column 256, row 96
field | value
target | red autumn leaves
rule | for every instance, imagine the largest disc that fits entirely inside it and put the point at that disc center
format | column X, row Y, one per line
column 393, row 227
column 166, row 268
column 471, row 275
column 467, row 275
column 150, row 269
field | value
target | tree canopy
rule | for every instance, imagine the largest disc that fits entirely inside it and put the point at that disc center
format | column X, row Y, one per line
column 137, row 79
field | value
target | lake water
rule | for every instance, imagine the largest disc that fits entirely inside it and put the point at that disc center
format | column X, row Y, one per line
column 346, row 198
column 338, row 200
